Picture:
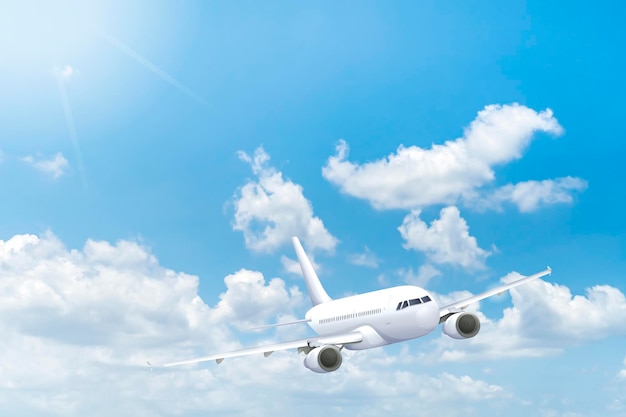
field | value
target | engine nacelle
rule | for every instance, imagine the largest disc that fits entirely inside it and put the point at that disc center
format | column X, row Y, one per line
column 462, row 326
column 323, row 359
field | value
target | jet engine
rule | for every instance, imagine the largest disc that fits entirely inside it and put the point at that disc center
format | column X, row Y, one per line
column 462, row 326
column 323, row 359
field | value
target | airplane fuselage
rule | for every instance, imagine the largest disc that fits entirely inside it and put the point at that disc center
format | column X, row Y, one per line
column 383, row 317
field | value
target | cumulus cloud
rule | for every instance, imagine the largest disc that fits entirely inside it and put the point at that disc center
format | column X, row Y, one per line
column 422, row 277
column 414, row 177
column 528, row 196
column 250, row 302
column 367, row 258
column 54, row 167
column 447, row 240
column 270, row 210
column 77, row 326
column 99, row 295
column 544, row 318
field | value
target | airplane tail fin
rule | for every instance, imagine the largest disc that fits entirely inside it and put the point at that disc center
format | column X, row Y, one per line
column 314, row 286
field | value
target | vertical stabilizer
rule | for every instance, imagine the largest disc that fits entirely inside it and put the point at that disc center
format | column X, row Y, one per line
column 313, row 284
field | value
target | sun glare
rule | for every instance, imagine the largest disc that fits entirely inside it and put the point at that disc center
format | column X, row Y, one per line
column 38, row 36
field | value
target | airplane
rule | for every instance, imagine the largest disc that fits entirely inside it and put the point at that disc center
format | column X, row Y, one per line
column 366, row 321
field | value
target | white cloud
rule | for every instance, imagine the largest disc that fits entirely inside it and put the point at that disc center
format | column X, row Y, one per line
column 77, row 320
column 55, row 167
column 544, row 319
column 423, row 276
column 414, row 177
column 270, row 210
column 67, row 71
column 528, row 196
column 449, row 298
column 293, row 266
column 78, row 325
column 367, row 258
column 447, row 240
column 369, row 383
column 97, row 295
column 622, row 373
column 617, row 405
column 250, row 302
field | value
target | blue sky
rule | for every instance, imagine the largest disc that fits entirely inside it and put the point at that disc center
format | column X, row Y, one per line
column 155, row 158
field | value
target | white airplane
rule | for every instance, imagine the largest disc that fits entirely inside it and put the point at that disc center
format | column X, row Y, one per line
column 366, row 321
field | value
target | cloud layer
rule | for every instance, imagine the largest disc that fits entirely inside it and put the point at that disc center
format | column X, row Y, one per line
column 270, row 210
column 415, row 177
column 86, row 320
column 78, row 325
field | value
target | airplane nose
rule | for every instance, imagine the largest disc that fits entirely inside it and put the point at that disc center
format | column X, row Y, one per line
column 427, row 316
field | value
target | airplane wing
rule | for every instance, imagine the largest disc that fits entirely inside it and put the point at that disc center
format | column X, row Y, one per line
column 311, row 342
column 287, row 323
column 455, row 307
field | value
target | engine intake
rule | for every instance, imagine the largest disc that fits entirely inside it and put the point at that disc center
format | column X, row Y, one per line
column 323, row 359
column 462, row 326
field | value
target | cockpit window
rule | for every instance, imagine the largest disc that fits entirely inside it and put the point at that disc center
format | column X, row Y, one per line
column 404, row 304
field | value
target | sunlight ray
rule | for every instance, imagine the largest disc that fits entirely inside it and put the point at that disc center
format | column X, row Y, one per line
column 71, row 127
column 136, row 56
